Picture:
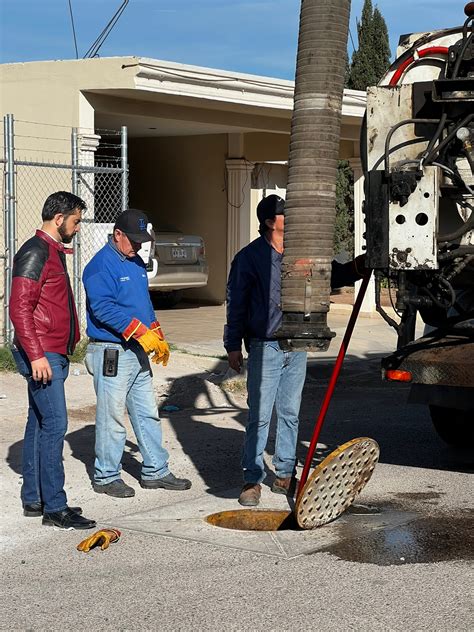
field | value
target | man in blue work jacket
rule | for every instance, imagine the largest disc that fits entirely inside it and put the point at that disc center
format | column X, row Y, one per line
column 123, row 331
column 275, row 378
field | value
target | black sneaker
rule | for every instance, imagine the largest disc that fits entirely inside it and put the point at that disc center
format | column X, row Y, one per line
column 166, row 482
column 117, row 488
column 67, row 519
column 35, row 510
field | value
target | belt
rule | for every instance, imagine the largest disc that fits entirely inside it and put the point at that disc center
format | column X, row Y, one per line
column 105, row 342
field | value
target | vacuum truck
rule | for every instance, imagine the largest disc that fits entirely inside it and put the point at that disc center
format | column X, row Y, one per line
column 417, row 150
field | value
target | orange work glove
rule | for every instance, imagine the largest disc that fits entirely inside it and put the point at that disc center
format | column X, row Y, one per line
column 147, row 338
column 156, row 327
column 150, row 341
column 162, row 353
column 104, row 537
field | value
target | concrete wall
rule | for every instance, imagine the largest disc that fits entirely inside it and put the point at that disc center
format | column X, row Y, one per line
column 49, row 91
column 46, row 100
column 261, row 147
column 181, row 181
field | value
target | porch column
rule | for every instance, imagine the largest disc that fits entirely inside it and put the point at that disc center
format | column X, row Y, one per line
column 368, row 304
column 88, row 144
column 239, row 181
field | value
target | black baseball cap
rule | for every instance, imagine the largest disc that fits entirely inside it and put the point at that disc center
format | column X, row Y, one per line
column 133, row 223
column 269, row 207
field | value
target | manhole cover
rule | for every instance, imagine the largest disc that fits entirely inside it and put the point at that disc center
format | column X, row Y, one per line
column 335, row 483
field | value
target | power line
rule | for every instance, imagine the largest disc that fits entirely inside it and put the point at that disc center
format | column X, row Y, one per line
column 73, row 29
column 352, row 40
column 95, row 47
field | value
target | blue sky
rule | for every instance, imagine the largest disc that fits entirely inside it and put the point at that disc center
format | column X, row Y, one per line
column 254, row 36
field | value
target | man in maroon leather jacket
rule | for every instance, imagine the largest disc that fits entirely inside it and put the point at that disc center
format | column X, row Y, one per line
column 43, row 313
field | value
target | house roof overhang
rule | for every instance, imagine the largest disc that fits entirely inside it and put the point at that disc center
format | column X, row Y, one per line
column 161, row 98
column 205, row 100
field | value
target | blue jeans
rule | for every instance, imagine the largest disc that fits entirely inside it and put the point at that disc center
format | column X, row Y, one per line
column 131, row 388
column 274, row 378
column 43, row 470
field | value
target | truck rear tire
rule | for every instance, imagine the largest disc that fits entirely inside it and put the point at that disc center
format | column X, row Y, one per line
column 454, row 426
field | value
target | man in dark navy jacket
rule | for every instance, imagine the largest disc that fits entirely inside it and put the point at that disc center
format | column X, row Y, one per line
column 275, row 377
column 43, row 313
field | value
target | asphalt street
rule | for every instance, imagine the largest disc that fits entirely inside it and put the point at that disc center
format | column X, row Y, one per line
column 401, row 560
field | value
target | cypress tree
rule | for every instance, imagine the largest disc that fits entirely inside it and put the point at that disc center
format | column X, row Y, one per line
column 368, row 65
column 372, row 58
column 380, row 45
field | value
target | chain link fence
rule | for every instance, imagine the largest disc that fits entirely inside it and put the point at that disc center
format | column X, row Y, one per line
column 41, row 159
column 3, row 239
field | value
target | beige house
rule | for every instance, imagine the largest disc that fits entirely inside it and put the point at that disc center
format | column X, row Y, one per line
column 204, row 144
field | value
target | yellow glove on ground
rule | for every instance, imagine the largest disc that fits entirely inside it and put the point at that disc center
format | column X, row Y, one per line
column 162, row 353
column 150, row 341
column 104, row 537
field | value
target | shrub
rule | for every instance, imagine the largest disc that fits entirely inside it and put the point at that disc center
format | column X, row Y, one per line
column 7, row 363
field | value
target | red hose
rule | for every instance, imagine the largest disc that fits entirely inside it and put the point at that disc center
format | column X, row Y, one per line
column 432, row 50
column 332, row 382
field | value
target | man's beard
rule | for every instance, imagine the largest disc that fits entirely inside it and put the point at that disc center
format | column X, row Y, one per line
column 66, row 237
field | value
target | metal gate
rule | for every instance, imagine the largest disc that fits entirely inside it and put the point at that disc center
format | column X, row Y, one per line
column 40, row 159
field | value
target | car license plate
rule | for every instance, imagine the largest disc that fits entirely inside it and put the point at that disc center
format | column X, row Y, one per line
column 179, row 253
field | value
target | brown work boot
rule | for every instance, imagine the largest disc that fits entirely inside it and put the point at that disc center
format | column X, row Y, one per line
column 250, row 494
column 285, row 486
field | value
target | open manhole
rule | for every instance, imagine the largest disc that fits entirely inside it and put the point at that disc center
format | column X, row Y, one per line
column 328, row 492
column 254, row 520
